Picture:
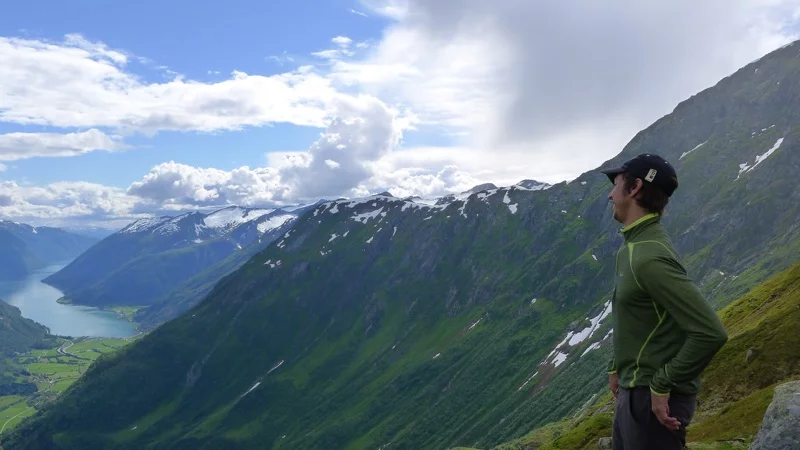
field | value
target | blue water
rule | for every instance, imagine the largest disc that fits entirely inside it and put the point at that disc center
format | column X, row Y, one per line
column 37, row 301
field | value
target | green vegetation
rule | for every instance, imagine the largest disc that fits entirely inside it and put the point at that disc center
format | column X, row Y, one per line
column 127, row 312
column 737, row 389
column 51, row 372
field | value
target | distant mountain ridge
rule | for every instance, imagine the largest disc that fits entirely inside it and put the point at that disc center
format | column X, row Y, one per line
column 146, row 262
column 25, row 248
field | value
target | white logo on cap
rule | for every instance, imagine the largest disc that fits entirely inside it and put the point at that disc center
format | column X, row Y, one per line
column 651, row 175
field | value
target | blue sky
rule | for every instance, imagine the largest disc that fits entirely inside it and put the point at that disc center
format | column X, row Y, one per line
column 118, row 110
column 193, row 39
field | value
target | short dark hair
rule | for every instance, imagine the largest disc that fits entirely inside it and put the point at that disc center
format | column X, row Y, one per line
column 650, row 197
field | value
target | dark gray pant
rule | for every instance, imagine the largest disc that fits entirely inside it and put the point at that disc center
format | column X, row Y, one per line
column 637, row 428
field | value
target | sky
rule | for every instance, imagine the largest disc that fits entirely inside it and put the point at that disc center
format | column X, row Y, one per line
column 115, row 111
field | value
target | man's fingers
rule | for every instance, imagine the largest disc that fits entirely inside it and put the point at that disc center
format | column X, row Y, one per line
column 663, row 416
column 669, row 422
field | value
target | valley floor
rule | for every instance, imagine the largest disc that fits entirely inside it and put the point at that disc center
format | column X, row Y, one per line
column 52, row 370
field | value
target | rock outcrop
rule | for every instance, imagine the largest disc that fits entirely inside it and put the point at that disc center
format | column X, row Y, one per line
column 780, row 429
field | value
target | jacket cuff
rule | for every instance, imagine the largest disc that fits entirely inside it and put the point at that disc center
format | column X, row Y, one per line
column 660, row 394
column 661, row 384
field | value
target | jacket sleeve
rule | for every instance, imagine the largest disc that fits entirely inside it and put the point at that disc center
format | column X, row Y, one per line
column 611, row 368
column 666, row 281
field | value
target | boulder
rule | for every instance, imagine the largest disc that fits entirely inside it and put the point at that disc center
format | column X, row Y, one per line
column 780, row 429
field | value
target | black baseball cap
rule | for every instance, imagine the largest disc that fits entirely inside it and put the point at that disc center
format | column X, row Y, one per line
column 650, row 168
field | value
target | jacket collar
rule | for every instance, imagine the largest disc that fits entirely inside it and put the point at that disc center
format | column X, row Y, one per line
column 634, row 229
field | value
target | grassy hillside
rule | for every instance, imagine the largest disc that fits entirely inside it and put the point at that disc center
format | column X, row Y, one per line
column 18, row 334
column 736, row 387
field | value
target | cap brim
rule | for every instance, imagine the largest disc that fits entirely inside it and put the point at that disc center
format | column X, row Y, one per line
column 613, row 172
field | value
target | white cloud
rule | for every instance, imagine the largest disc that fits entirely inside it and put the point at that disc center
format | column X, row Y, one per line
column 184, row 186
column 394, row 9
column 3, row 167
column 78, row 83
column 342, row 50
column 14, row 146
column 363, row 131
column 510, row 75
column 59, row 202
column 359, row 13
column 542, row 90
column 342, row 41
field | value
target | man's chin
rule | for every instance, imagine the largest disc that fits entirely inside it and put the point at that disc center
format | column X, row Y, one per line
column 616, row 216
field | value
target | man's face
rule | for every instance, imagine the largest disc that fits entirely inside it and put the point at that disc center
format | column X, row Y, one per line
column 620, row 199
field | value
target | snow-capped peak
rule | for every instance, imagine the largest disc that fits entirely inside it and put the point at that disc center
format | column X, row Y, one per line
column 533, row 185
column 146, row 224
column 233, row 216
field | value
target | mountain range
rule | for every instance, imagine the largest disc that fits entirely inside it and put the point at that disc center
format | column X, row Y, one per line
column 405, row 323
column 24, row 248
column 166, row 263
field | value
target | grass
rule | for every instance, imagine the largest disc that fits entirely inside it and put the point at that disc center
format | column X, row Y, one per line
column 52, row 373
column 13, row 415
column 737, row 388
column 9, row 399
column 51, row 368
column 735, row 420
column 142, row 425
column 127, row 312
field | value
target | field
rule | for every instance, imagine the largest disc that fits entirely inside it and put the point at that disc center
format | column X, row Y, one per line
column 53, row 371
column 126, row 312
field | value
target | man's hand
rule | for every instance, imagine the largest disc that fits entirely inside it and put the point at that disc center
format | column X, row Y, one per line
column 613, row 384
column 661, row 410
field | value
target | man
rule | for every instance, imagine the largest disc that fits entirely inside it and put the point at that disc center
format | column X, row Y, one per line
column 665, row 333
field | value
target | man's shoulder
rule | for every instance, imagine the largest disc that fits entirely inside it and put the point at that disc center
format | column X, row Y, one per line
column 653, row 251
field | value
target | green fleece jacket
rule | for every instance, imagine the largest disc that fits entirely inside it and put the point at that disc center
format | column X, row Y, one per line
column 665, row 333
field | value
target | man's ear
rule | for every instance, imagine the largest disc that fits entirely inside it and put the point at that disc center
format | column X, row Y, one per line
column 637, row 187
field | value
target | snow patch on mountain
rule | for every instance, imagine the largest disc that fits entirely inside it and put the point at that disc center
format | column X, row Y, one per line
column 144, row 225
column 594, row 346
column 589, row 331
column 532, row 185
column 258, row 383
column 364, row 217
column 527, row 381
column 274, row 222
column 560, row 358
column 744, row 167
column 690, row 151
column 233, row 216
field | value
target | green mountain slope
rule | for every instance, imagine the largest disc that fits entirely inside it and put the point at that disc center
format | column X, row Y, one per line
column 144, row 278
column 17, row 335
column 737, row 385
column 178, row 299
column 384, row 321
